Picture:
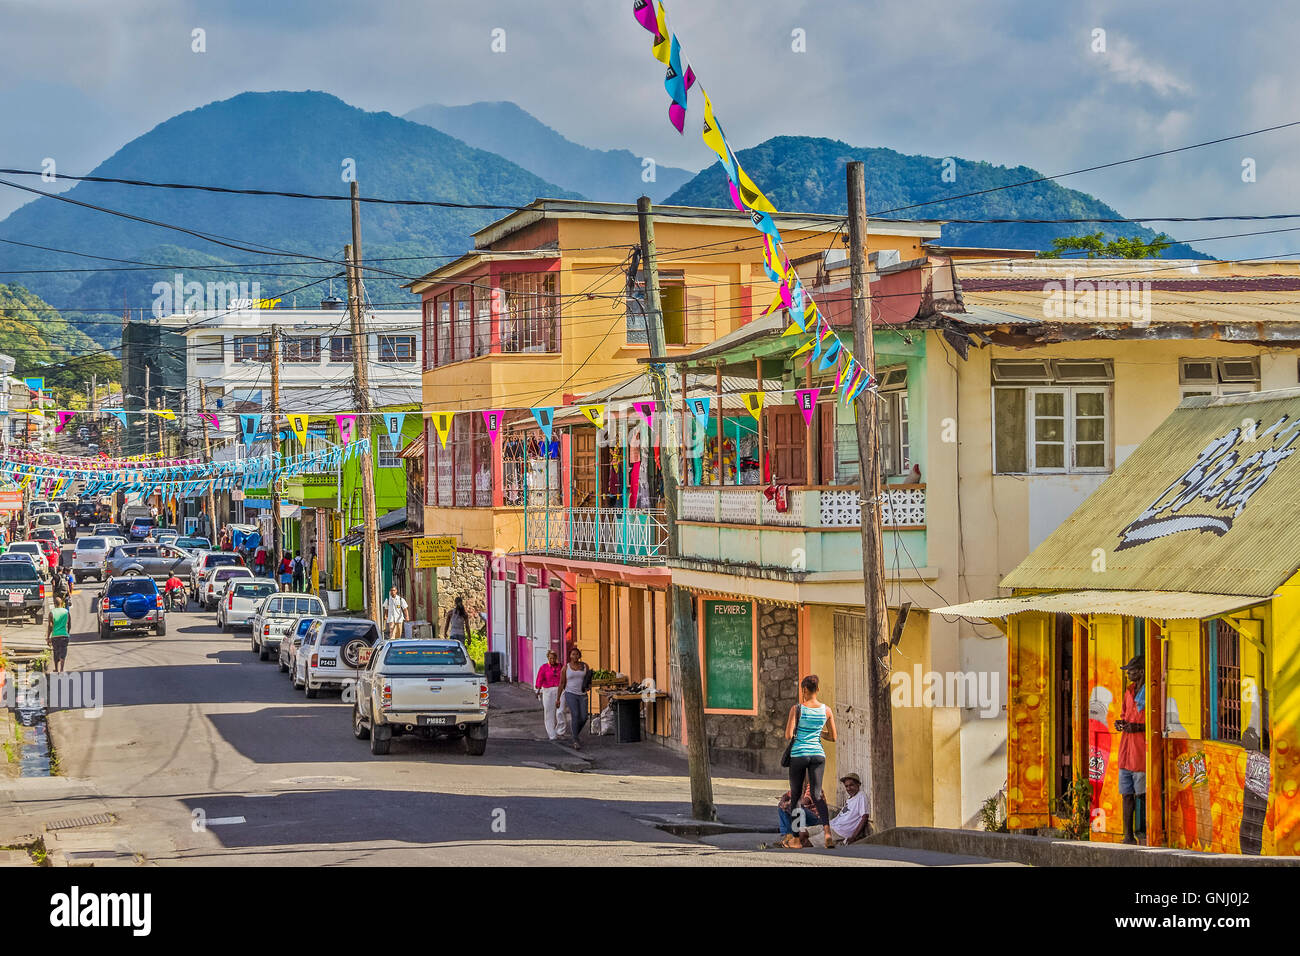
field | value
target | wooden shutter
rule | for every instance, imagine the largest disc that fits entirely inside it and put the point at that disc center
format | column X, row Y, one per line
column 584, row 468
column 825, row 438
column 786, row 448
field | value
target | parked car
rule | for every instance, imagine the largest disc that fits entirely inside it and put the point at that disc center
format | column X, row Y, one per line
column 37, row 561
column 214, row 582
column 109, row 529
column 36, row 550
column 130, row 604
column 166, row 535
column 193, row 543
column 331, row 652
column 140, row 528
column 276, row 615
column 22, row 587
column 292, row 641
column 425, row 687
column 51, row 521
column 90, row 555
column 156, row 560
column 208, row 560
column 240, row 599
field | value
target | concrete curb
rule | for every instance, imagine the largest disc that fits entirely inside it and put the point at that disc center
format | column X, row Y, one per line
column 1046, row 851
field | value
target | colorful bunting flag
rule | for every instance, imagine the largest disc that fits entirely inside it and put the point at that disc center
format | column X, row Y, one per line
column 545, row 420
column 646, row 410
column 806, row 399
column 700, row 408
column 595, row 414
column 347, row 425
column 393, row 421
column 249, row 426
column 754, row 403
column 211, row 419
column 492, row 420
column 442, row 424
column 36, row 385
column 64, row 418
column 299, row 425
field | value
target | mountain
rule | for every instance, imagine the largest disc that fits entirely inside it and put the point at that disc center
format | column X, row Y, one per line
column 806, row 174
column 604, row 175
column 294, row 141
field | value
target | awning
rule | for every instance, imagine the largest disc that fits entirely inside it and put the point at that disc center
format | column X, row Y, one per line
column 353, row 537
column 1165, row 605
column 261, row 504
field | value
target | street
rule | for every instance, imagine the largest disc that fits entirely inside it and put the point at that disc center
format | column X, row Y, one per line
column 205, row 755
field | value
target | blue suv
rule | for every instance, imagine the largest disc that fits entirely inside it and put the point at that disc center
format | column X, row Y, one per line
column 131, row 604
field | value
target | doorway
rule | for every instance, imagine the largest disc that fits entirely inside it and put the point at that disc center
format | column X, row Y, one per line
column 852, row 719
column 1063, row 688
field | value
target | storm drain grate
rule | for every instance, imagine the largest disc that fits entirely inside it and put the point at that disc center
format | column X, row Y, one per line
column 73, row 822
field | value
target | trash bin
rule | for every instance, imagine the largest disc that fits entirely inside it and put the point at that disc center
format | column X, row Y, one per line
column 492, row 666
column 627, row 720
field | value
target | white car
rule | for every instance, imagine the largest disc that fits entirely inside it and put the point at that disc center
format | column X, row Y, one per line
column 240, row 600
column 330, row 655
column 50, row 521
column 291, row 642
column 276, row 615
column 214, row 583
column 89, row 555
column 205, row 561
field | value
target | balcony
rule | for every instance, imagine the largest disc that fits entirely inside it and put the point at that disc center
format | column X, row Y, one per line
column 616, row 535
column 818, row 530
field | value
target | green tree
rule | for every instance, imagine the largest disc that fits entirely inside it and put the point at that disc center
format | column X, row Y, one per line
column 1095, row 245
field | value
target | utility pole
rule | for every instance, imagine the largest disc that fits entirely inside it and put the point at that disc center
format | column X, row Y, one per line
column 685, row 662
column 145, row 413
column 207, row 454
column 275, row 445
column 880, row 713
column 360, row 361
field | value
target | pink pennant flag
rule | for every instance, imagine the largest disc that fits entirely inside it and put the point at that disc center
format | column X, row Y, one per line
column 735, row 196
column 676, row 112
column 493, row 422
column 347, row 425
column 806, row 399
column 64, row 418
column 646, row 410
column 210, row 419
column 644, row 11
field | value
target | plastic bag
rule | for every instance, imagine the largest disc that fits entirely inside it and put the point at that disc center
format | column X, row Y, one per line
column 603, row 723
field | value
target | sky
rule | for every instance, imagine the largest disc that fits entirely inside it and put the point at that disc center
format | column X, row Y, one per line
column 1052, row 86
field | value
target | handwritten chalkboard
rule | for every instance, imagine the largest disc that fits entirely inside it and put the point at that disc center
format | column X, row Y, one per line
column 729, row 655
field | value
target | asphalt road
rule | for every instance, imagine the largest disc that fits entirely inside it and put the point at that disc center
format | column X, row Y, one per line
column 206, row 755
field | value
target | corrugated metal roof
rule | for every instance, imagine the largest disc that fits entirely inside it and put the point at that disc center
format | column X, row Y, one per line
column 1166, row 605
column 1166, row 305
column 1202, row 505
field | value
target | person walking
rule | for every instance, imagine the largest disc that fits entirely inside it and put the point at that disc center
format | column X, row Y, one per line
column 394, row 613
column 456, row 627
column 57, row 629
column 547, row 686
column 259, row 560
column 286, row 572
column 577, row 681
column 299, row 573
column 313, row 571
column 809, row 721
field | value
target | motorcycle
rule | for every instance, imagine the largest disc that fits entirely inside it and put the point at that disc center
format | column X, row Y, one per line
column 177, row 599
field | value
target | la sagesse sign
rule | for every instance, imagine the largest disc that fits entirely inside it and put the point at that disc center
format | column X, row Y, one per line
column 1214, row 491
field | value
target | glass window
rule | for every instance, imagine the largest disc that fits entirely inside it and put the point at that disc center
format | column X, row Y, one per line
column 397, row 348
column 252, row 348
column 463, row 330
column 482, row 321
column 407, row 653
column 209, row 348
column 444, row 329
column 530, row 320
column 482, row 443
column 430, row 317
column 388, row 457
column 512, row 470
column 341, row 351
column 300, row 348
column 1049, row 430
column 1062, row 429
column 338, row 633
column 462, row 460
column 446, row 480
column 1009, row 430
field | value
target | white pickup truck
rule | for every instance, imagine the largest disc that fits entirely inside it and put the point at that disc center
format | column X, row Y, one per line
column 417, row 686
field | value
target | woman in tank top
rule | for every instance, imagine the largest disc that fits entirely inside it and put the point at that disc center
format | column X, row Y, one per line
column 810, row 720
column 575, row 694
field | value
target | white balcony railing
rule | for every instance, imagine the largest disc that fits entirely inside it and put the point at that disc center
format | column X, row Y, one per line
column 816, row 507
column 622, row 535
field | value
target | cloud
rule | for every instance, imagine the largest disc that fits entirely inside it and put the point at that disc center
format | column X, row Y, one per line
column 1123, row 61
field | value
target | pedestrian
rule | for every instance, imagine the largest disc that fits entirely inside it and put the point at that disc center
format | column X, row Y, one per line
column 394, row 613
column 57, row 628
column 71, row 582
column 313, row 571
column 456, row 626
column 299, row 572
column 259, row 559
column 547, row 686
column 286, row 572
column 1133, row 752
column 72, row 530
column 577, row 681
column 809, row 721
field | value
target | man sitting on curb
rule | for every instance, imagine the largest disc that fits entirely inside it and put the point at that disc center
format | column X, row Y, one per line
column 853, row 822
column 808, row 818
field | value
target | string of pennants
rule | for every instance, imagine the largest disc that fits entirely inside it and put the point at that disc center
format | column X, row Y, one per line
column 186, row 480
column 823, row 345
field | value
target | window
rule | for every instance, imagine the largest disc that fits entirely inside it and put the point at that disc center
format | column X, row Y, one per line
column 1217, row 377
column 209, row 348
column 444, row 330
column 397, row 348
column 530, row 312
column 341, row 351
column 388, row 456
column 1052, row 428
column 895, row 444
column 688, row 312
column 513, row 469
column 430, row 350
column 460, row 475
column 1221, row 646
column 252, row 348
column 463, row 326
column 482, row 321
column 300, row 349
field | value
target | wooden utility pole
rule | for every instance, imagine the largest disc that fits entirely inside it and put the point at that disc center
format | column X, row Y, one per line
column 684, row 661
column 213, row 530
column 880, row 714
column 275, row 446
column 360, row 362
column 148, row 432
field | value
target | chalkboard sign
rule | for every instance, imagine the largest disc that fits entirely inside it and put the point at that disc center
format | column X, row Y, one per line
column 729, row 655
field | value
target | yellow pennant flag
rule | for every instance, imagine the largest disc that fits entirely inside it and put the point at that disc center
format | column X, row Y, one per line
column 806, row 347
column 712, row 135
column 661, row 46
column 792, row 330
column 753, row 196
column 299, row 425
column 777, row 304
column 442, row 424
column 595, row 413
column 754, row 403
column 165, row 413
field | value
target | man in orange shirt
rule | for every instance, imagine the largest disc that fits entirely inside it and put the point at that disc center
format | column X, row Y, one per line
column 1133, row 751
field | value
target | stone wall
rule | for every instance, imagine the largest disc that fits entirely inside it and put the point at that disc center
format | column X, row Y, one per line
column 756, row 743
column 465, row 580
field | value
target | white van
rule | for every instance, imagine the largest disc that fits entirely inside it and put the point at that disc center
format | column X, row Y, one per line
column 50, row 521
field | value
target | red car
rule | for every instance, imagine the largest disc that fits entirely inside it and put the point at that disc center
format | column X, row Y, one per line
column 51, row 548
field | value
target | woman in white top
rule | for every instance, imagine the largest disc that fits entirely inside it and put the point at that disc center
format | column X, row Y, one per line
column 575, row 694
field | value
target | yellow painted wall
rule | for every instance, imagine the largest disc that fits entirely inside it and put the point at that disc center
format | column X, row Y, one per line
column 1284, row 652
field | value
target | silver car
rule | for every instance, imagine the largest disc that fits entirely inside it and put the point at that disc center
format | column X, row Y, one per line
column 274, row 617
column 240, row 600
column 291, row 642
column 205, row 561
column 330, row 655
column 214, row 583
column 89, row 555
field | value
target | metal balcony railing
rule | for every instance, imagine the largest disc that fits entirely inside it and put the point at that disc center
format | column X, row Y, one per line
column 620, row 535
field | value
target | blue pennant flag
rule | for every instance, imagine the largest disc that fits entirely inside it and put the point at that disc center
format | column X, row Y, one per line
column 393, row 421
column 545, row 420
